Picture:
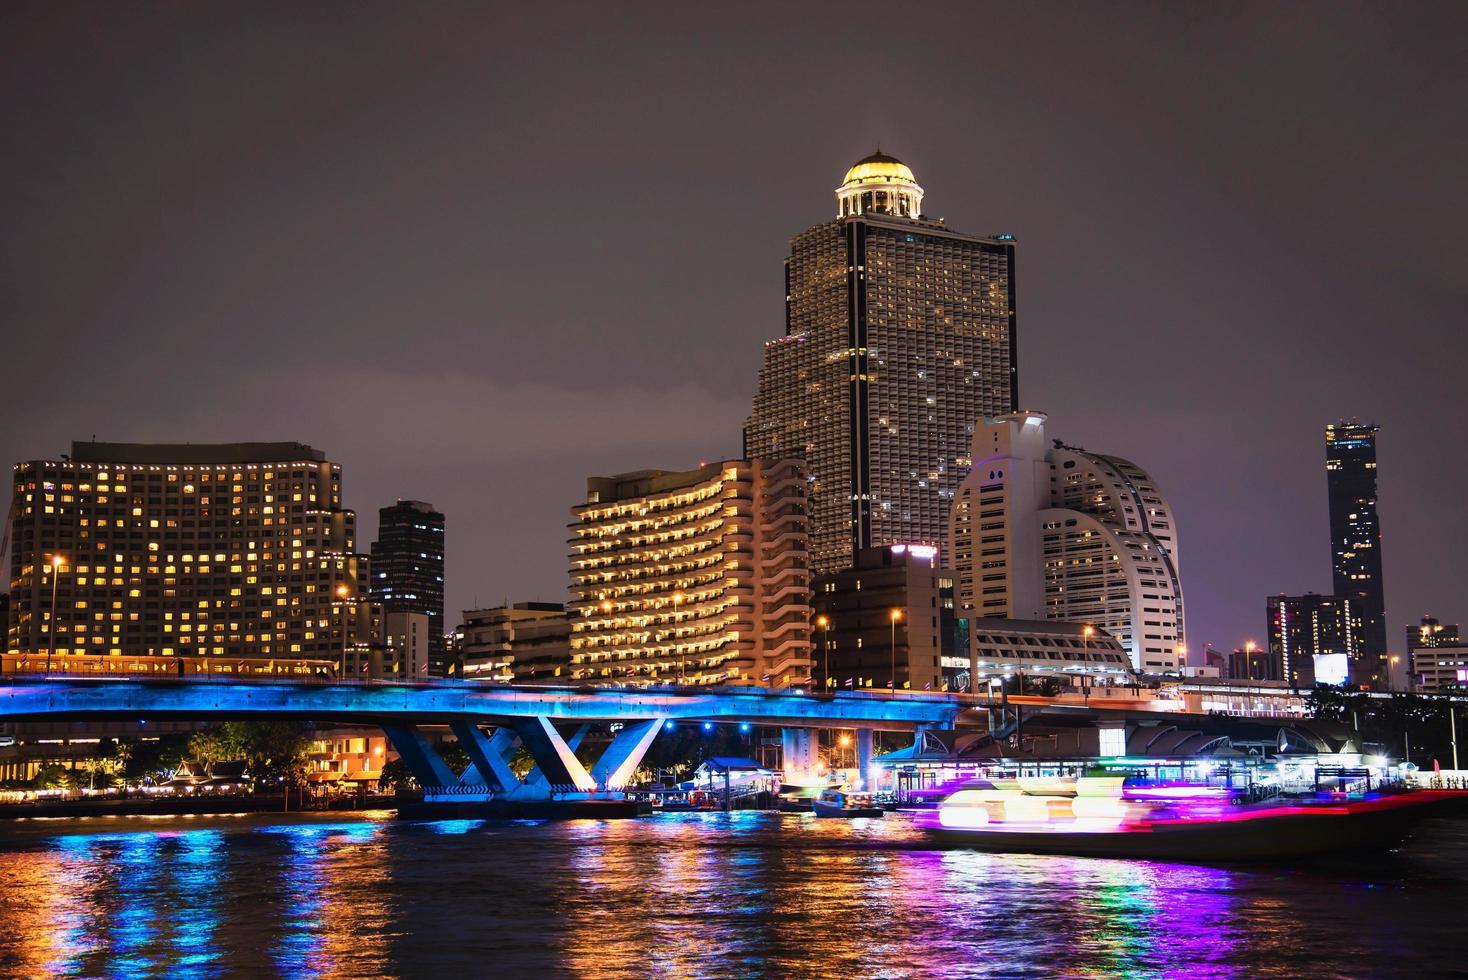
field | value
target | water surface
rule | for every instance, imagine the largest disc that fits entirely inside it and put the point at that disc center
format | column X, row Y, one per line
column 745, row 894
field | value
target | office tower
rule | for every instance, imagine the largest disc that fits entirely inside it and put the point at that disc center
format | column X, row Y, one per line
column 1355, row 537
column 228, row 551
column 407, row 569
column 899, row 334
column 887, row 621
column 1313, row 638
column 1055, row 532
column 527, row 642
column 692, row 578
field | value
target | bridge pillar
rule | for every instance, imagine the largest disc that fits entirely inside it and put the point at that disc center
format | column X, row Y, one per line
column 557, row 761
column 797, row 753
column 421, row 758
column 864, row 748
column 535, row 779
column 488, row 756
column 620, row 759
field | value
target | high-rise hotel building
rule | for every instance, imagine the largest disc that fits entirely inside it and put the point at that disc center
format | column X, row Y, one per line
column 899, row 334
column 1054, row 532
column 407, row 568
column 693, row 578
column 1355, row 538
column 237, row 551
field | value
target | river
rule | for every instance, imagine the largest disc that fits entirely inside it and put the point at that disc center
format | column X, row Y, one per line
column 743, row 894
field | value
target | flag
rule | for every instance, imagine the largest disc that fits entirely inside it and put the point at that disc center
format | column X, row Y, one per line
column 928, row 686
column 848, row 682
column 766, row 677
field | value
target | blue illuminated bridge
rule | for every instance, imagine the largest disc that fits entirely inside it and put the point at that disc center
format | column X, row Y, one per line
column 549, row 722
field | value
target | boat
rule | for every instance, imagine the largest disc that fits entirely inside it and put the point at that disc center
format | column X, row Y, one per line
column 1184, row 823
column 839, row 803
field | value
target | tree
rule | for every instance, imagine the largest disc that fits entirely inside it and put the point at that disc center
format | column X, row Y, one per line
column 274, row 752
column 50, row 776
column 396, row 776
column 151, row 758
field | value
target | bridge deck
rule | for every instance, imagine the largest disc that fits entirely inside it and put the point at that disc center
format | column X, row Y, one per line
column 445, row 702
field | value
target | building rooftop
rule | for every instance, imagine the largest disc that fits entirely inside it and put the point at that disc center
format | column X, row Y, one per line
column 198, row 453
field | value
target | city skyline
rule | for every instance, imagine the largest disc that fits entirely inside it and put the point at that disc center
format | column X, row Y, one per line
column 512, row 363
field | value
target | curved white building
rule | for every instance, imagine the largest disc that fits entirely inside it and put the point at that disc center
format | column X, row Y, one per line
column 1055, row 532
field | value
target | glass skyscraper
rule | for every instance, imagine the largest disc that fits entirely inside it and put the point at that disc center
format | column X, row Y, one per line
column 899, row 338
column 407, row 568
column 1355, row 536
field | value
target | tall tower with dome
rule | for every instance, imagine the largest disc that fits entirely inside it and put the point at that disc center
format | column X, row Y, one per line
column 899, row 340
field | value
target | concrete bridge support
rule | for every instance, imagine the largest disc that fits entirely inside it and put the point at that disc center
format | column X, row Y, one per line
column 557, row 773
column 797, row 753
column 864, row 751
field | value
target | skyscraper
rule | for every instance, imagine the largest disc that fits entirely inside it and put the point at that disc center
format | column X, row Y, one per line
column 407, row 568
column 1054, row 532
column 899, row 336
column 1355, row 537
column 233, row 551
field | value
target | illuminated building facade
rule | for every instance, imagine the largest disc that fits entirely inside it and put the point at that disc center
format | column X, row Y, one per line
column 1312, row 638
column 692, row 578
column 888, row 616
column 899, row 333
column 1054, row 532
column 1355, row 537
column 407, row 568
column 1439, row 657
column 223, row 551
column 525, row 642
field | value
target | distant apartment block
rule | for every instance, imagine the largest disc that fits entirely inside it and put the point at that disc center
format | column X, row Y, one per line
column 527, row 642
column 1438, row 654
column 1313, row 639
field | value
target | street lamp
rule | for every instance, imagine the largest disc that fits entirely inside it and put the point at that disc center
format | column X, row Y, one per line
column 1249, row 648
column 894, row 616
column 823, row 622
column 342, row 594
column 56, row 562
column 1087, row 631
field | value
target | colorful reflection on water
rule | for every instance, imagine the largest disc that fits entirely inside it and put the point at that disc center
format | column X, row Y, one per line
column 687, row 895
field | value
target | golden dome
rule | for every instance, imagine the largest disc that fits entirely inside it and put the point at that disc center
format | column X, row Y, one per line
column 879, row 166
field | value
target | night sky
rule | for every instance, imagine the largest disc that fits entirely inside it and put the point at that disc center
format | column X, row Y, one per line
column 477, row 254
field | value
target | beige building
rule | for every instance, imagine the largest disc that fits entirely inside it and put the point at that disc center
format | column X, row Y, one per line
column 692, row 578
column 527, row 642
column 228, row 551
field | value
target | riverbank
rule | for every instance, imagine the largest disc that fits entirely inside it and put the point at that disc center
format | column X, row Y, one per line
column 169, row 806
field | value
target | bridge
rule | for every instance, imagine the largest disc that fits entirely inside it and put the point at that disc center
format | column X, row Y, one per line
column 518, row 716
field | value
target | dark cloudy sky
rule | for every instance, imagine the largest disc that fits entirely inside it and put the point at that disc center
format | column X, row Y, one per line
column 478, row 253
